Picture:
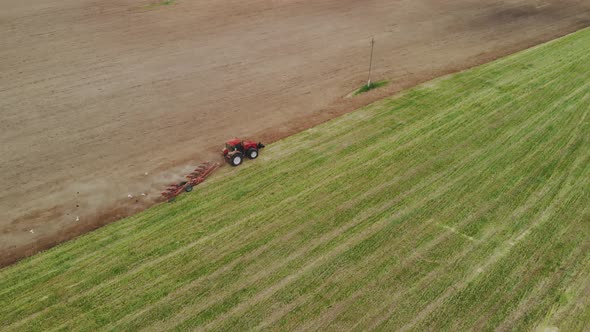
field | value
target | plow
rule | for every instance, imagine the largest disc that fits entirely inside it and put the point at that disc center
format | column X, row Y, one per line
column 195, row 178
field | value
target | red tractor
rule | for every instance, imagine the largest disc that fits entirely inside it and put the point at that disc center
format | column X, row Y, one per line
column 236, row 149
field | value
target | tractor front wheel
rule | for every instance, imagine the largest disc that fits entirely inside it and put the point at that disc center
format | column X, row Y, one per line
column 252, row 153
column 188, row 188
column 236, row 159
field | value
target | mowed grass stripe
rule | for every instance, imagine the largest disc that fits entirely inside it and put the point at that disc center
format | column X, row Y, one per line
column 406, row 181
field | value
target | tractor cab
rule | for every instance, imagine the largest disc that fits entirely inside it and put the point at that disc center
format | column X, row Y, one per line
column 236, row 149
column 234, row 145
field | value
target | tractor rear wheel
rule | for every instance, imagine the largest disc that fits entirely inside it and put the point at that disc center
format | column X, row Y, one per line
column 188, row 188
column 236, row 159
column 252, row 153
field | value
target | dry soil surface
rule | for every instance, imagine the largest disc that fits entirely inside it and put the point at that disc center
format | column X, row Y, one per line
column 101, row 99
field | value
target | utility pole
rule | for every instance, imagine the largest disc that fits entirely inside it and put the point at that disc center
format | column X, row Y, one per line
column 371, row 61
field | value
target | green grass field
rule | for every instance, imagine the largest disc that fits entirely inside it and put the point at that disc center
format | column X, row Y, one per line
column 460, row 204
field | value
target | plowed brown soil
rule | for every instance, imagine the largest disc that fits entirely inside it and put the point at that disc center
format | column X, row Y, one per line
column 101, row 99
